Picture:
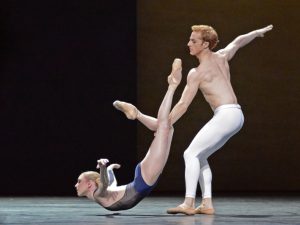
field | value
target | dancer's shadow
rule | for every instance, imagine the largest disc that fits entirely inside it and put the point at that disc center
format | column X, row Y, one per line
column 174, row 219
column 245, row 216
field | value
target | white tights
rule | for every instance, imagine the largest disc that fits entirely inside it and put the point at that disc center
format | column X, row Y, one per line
column 227, row 121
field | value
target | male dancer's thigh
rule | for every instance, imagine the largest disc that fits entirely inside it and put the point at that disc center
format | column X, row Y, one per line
column 216, row 132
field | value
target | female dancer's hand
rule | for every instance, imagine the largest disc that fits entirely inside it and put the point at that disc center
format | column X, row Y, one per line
column 102, row 163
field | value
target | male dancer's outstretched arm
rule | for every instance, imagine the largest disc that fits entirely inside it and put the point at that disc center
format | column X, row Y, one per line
column 242, row 40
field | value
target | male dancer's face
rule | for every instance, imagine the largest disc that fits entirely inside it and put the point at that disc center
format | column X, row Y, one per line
column 196, row 44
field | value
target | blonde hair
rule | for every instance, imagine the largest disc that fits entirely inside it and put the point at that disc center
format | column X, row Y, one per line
column 208, row 34
column 92, row 175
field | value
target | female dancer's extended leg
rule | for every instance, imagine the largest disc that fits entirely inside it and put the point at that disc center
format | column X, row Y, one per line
column 154, row 162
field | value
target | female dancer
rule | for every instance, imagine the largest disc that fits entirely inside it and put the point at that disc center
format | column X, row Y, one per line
column 97, row 186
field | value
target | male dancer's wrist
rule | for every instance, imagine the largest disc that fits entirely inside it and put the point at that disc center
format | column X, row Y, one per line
column 172, row 87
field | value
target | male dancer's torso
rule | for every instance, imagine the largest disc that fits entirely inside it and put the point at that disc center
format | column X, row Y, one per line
column 214, row 81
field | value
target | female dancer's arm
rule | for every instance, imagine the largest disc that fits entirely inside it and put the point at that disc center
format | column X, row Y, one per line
column 104, row 181
column 112, row 181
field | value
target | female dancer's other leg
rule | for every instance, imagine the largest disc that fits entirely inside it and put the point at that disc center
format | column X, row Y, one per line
column 133, row 113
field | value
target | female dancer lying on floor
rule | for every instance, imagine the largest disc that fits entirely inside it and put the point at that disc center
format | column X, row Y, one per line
column 97, row 186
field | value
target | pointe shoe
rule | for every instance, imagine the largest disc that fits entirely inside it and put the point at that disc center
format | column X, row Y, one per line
column 175, row 77
column 202, row 210
column 127, row 108
column 181, row 209
column 177, row 64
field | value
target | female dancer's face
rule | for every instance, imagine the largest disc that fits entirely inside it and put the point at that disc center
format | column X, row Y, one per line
column 82, row 186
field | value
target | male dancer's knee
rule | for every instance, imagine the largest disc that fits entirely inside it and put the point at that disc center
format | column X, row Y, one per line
column 188, row 156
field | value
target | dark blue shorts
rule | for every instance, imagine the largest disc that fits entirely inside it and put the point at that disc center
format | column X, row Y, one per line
column 139, row 183
column 134, row 193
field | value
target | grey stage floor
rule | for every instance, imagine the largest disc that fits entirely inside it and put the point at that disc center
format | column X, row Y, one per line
column 230, row 210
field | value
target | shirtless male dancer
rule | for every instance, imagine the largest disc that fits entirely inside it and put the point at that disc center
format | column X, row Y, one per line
column 102, row 188
column 212, row 78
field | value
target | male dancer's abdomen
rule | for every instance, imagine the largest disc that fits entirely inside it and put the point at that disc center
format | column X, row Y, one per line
column 216, row 101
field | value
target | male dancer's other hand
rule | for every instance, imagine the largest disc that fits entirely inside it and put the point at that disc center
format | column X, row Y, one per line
column 262, row 31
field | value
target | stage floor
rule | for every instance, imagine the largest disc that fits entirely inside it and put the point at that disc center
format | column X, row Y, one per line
column 72, row 210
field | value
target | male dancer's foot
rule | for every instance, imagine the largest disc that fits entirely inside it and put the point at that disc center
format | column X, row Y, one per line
column 175, row 77
column 130, row 110
column 187, row 207
column 184, row 209
column 205, row 207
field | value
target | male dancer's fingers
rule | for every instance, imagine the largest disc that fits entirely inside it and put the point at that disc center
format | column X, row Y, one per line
column 270, row 27
column 262, row 31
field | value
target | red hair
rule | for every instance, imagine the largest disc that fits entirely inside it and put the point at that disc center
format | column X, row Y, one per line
column 208, row 34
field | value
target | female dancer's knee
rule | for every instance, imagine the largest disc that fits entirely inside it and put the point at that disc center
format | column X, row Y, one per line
column 164, row 125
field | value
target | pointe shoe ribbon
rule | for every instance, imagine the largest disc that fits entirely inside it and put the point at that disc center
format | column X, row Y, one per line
column 181, row 209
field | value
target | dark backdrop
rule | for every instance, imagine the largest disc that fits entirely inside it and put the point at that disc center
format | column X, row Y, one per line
column 62, row 65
